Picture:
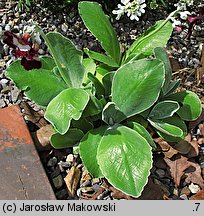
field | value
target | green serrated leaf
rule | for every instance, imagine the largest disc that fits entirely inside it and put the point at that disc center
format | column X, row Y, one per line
column 156, row 36
column 99, row 25
column 40, row 85
column 67, row 58
column 125, row 156
column 68, row 105
column 137, row 85
column 166, row 128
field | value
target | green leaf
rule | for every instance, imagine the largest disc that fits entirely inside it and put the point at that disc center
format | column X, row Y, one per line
column 67, row 58
column 40, row 85
column 164, row 109
column 166, row 128
column 156, row 36
column 143, row 132
column 125, row 159
column 111, row 114
column 48, row 63
column 68, row 105
column 69, row 139
column 83, row 124
column 88, row 150
column 99, row 25
column 97, row 84
column 173, row 86
column 191, row 105
column 107, row 82
column 90, row 67
column 103, row 69
column 161, row 54
column 93, row 107
column 176, row 121
column 101, row 58
column 137, row 85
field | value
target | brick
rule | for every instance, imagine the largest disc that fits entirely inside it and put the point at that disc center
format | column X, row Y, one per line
column 22, row 175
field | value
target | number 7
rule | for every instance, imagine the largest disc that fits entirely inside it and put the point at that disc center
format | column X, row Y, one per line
column 198, row 204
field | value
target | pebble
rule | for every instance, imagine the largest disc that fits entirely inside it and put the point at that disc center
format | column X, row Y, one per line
column 86, row 183
column 14, row 94
column 194, row 188
column 103, row 195
column 7, row 27
column 52, row 162
column 87, row 190
column 160, row 173
column 58, row 181
column 2, row 103
column 56, row 172
column 95, row 181
column 70, row 158
column 61, row 194
column 4, row 81
column 183, row 197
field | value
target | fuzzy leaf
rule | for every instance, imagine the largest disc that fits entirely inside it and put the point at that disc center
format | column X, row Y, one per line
column 68, row 105
column 88, row 150
column 40, row 85
column 125, row 159
column 164, row 109
column 137, row 85
column 99, row 25
column 67, row 58
column 155, row 36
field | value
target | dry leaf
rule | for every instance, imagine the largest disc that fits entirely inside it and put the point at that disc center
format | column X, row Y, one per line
column 31, row 115
column 194, row 149
column 44, row 134
column 193, row 174
column 72, row 180
column 180, row 166
column 177, row 167
column 174, row 64
column 167, row 149
column 198, row 196
column 183, row 147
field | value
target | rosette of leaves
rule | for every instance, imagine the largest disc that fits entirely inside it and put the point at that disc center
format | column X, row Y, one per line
column 105, row 102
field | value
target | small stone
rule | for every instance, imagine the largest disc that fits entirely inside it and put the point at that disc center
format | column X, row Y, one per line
column 64, row 27
column 70, row 158
column 87, row 190
column 52, row 162
column 56, row 172
column 41, row 52
column 86, row 183
column 14, row 94
column 183, row 197
column 2, row 103
column 194, row 188
column 7, row 27
column 175, row 192
column 95, row 181
column 58, row 181
column 64, row 164
column 160, row 173
column 4, row 81
column 103, row 195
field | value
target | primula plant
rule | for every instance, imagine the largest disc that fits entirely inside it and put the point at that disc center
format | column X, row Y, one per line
column 107, row 103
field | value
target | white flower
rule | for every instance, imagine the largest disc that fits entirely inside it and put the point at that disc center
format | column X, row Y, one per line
column 134, row 9
column 184, row 14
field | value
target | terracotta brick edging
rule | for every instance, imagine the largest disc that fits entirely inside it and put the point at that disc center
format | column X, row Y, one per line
column 22, row 175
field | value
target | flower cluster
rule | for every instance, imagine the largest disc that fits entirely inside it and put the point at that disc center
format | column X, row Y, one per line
column 23, row 48
column 134, row 9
